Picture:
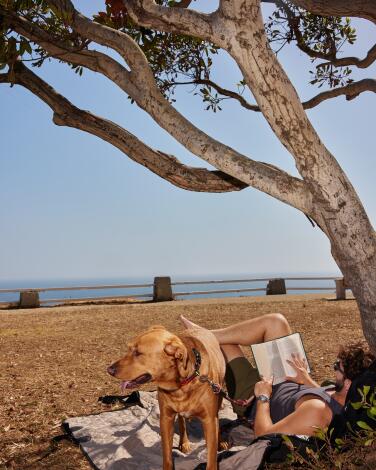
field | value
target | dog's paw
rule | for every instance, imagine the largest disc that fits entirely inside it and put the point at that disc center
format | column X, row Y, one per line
column 224, row 445
column 185, row 447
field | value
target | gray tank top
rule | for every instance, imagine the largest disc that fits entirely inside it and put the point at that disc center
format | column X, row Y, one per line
column 286, row 394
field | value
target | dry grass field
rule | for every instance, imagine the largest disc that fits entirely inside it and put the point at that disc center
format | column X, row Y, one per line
column 53, row 360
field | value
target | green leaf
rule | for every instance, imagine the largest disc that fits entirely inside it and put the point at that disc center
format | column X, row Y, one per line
column 339, row 441
column 364, row 425
column 357, row 405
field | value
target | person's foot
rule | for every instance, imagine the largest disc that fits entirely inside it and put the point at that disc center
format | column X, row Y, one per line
column 188, row 323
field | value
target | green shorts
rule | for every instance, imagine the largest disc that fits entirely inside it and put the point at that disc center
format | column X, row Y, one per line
column 240, row 379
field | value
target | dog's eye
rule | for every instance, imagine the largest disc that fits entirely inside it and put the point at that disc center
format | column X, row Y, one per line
column 136, row 353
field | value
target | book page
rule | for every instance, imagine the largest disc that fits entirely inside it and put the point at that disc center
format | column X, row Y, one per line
column 287, row 346
column 268, row 361
column 271, row 357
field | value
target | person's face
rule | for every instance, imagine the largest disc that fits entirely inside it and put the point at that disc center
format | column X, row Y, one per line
column 339, row 376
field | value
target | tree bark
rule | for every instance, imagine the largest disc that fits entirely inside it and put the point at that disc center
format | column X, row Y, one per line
column 358, row 8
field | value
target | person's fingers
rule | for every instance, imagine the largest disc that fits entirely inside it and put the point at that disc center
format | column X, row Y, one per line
column 292, row 364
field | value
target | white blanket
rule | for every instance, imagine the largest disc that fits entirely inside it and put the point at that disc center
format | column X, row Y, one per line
column 130, row 438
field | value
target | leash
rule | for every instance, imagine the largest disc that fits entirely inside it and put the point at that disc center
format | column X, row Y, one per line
column 216, row 388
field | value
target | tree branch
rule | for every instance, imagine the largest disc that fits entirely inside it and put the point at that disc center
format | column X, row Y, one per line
column 182, row 4
column 272, row 181
column 360, row 63
column 351, row 91
column 160, row 163
column 174, row 20
column 358, row 8
column 222, row 91
column 91, row 59
column 300, row 41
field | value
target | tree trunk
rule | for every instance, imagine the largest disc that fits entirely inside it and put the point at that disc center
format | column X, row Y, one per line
column 337, row 208
column 360, row 275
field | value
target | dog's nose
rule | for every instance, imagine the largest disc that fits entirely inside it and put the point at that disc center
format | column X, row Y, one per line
column 111, row 370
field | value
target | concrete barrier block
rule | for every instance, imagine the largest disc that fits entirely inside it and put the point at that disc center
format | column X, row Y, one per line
column 340, row 289
column 276, row 287
column 29, row 299
column 162, row 289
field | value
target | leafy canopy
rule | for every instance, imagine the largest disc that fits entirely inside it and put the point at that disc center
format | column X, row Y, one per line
column 178, row 59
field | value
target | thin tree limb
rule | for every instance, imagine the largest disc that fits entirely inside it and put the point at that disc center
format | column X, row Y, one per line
column 351, row 91
column 360, row 63
column 300, row 42
column 222, row 91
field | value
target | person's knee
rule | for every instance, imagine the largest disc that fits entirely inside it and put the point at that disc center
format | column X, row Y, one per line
column 278, row 322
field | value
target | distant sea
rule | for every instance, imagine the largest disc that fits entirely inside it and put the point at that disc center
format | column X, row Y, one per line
column 192, row 288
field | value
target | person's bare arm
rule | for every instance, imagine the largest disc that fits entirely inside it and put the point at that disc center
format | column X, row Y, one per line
column 311, row 415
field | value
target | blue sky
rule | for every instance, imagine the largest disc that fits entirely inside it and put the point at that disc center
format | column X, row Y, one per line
column 73, row 207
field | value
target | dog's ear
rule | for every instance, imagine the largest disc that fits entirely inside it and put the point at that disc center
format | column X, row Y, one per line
column 178, row 350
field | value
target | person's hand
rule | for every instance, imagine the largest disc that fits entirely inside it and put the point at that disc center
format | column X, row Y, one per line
column 264, row 387
column 300, row 366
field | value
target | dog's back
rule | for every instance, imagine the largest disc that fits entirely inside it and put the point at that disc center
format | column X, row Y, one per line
column 214, row 359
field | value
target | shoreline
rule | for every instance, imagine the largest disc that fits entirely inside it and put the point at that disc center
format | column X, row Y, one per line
column 12, row 306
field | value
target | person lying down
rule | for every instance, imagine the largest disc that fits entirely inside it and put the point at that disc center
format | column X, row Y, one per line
column 297, row 406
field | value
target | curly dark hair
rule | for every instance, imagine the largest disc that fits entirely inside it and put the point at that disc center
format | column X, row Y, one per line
column 355, row 358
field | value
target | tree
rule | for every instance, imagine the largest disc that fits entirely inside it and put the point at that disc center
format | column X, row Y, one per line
column 162, row 42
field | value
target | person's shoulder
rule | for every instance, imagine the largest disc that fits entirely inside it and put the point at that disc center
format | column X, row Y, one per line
column 315, row 405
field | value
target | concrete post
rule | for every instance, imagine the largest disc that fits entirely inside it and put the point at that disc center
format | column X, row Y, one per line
column 276, row 287
column 162, row 289
column 29, row 299
column 340, row 289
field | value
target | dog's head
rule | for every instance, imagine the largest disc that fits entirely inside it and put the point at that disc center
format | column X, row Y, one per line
column 156, row 355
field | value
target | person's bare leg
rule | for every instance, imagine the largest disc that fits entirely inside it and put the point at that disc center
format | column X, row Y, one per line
column 231, row 351
column 253, row 331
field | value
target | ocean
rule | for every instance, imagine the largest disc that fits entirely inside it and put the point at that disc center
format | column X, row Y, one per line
column 186, row 291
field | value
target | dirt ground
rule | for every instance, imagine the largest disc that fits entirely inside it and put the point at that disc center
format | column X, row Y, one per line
column 53, row 360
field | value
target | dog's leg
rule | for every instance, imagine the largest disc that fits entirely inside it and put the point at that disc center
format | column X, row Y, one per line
column 184, row 444
column 211, row 429
column 223, row 444
column 167, row 432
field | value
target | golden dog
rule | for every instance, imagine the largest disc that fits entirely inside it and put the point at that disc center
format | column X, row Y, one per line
column 174, row 363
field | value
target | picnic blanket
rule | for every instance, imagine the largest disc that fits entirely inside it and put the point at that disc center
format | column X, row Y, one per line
column 130, row 438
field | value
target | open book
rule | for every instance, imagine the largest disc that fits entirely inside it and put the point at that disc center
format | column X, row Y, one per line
column 271, row 357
